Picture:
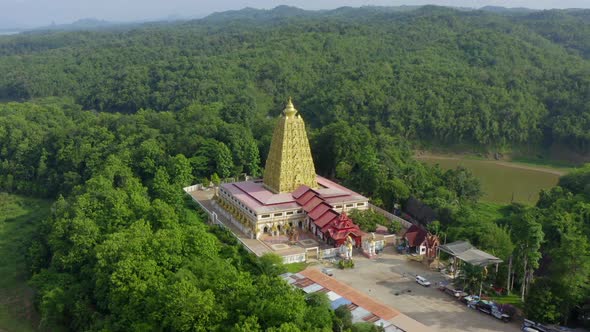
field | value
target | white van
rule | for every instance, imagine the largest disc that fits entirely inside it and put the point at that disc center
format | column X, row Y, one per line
column 422, row 281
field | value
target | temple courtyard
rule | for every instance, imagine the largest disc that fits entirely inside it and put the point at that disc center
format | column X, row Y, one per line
column 390, row 274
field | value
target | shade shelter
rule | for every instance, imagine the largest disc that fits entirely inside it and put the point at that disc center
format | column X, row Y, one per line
column 467, row 253
column 464, row 251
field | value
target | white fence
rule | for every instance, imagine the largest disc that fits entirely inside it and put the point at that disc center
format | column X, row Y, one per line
column 390, row 239
column 192, row 188
column 328, row 253
column 295, row 258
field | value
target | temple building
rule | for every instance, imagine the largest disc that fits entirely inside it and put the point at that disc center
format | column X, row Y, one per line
column 291, row 195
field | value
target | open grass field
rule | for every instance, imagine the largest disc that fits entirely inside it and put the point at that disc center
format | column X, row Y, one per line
column 490, row 211
column 502, row 181
column 19, row 216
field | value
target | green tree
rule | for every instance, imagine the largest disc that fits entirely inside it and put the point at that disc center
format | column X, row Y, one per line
column 342, row 319
column 215, row 179
column 570, row 269
column 392, row 192
column 368, row 219
column 472, row 277
column 319, row 313
column 223, row 161
column 528, row 236
column 180, row 171
column 270, row 264
column 164, row 189
column 463, row 183
column 541, row 303
column 252, row 159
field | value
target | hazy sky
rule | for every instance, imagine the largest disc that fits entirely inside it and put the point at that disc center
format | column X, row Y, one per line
column 28, row 13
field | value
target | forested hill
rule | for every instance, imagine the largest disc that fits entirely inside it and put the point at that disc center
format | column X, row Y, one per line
column 428, row 73
column 111, row 124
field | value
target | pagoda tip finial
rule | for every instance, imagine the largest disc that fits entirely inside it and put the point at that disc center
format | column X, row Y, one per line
column 290, row 109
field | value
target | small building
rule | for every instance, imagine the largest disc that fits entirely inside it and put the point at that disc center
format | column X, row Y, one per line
column 340, row 228
column 421, row 242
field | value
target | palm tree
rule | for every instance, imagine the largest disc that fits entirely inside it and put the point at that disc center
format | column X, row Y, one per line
column 473, row 277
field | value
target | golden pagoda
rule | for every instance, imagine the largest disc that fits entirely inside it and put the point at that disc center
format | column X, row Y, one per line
column 289, row 163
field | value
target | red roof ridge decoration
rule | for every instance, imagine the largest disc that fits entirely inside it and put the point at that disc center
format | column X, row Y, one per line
column 341, row 227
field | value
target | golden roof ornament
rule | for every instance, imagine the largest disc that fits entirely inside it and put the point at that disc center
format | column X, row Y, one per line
column 289, row 110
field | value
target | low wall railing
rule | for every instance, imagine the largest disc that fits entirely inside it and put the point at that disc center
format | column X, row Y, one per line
column 406, row 224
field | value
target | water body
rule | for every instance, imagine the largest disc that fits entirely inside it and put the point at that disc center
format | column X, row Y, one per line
column 503, row 182
column 8, row 32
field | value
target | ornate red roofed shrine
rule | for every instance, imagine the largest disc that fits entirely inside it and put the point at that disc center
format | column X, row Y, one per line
column 339, row 228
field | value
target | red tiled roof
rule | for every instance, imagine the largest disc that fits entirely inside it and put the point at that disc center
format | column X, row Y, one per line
column 302, row 189
column 305, row 197
column 320, row 209
column 350, row 293
column 415, row 236
column 326, row 218
column 341, row 227
column 312, row 203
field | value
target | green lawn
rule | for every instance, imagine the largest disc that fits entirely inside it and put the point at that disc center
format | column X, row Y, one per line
column 296, row 267
column 513, row 299
column 19, row 216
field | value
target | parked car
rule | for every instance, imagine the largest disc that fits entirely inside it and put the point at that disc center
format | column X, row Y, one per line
column 531, row 326
column 456, row 292
column 329, row 272
column 422, row 281
column 470, row 298
column 490, row 308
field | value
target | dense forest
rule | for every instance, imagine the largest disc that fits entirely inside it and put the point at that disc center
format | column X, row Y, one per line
column 112, row 124
column 433, row 74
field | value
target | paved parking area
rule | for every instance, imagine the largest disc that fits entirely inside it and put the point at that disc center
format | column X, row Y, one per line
column 390, row 279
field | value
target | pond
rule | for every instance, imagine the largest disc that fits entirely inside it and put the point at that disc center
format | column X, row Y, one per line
column 503, row 182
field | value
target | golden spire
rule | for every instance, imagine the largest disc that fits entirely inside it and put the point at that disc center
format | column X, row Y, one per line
column 289, row 110
column 289, row 163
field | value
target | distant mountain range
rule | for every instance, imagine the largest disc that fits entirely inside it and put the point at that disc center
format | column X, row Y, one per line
column 255, row 14
column 504, row 10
